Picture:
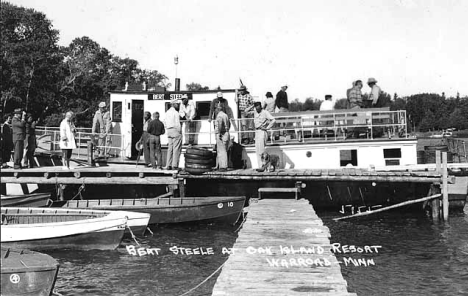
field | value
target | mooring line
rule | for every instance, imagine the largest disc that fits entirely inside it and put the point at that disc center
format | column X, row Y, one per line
column 131, row 233
column 191, row 290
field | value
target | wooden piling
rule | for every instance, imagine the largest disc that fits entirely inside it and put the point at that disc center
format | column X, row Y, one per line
column 445, row 201
column 435, row 203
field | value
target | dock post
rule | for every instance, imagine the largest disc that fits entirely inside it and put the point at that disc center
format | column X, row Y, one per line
column 435, row 203
column 90, row 154
column 445, row 202
column 181, row 188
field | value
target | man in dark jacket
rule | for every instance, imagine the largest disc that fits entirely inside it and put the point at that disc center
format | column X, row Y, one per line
column 7, row 141
column 18, row 127
column 282, row 99
column 155, row 130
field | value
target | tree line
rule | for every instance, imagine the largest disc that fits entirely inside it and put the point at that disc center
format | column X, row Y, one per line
column 47, row 80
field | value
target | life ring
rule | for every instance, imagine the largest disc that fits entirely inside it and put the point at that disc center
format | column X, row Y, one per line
column 198, row 166
column 198, row 161
column 199, row 151
column 196, row 171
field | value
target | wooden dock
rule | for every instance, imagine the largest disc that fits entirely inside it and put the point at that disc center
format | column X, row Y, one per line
column 261, row 264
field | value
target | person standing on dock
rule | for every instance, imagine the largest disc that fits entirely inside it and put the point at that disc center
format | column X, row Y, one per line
column 7, row 141
column 143, row 142
column 67, row 139
column 155, row 130
column 187, row 113
column 29, row 141
column 263, row 122
column 99, row 128
column 222, row 126
column 18, row 127
column 174, row 136
column 244, row 101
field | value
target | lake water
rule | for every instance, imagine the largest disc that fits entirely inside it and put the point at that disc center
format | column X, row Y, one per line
column 418, row 257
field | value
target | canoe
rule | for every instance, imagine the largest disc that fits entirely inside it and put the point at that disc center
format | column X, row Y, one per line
column 26, row 272
column 217, row 209
column 25, row 200
column 56, row 228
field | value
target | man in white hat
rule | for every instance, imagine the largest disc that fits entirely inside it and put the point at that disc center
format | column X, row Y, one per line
column 187, row 114
column 263, row 121
column 99, row 128
column 174, row 136
column 219, row 100
column 375, row 91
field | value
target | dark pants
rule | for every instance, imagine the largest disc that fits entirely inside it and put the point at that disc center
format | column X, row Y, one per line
column 155, row 150
column 146, row 150
column 6, row 151
column 67, row 153
column 29, row 147
column 18, row 155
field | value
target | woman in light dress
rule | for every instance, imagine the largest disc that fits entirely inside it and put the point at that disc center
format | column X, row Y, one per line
column 67, row 139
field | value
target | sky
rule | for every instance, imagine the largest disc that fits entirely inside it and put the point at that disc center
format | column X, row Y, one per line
column 315, row 47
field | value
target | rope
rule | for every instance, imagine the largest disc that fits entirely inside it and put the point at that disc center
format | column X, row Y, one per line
column 133, row 236
column 82, row 187
column 191, row 290
column 147, row 228
column 243, row 220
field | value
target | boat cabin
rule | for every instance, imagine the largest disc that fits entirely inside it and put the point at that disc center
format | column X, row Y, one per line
column 314, row 139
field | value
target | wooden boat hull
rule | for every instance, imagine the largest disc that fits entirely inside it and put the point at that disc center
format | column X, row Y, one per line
column 46, row 228
column 226, row 210
column 27, row 273
column 25, row 200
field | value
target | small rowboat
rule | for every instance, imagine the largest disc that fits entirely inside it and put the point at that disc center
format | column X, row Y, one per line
column 26, row 272
column 217, row 209
column 53, row 228
column 25, row 200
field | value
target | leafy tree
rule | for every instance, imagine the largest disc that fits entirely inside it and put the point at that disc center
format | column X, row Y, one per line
column 196, row 87
column 30, row 59
column 341, row 104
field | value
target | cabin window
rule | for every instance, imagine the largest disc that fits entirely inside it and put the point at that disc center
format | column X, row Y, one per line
column 117, row 111
column 348, row 157
column 392, row 156
column 203, row 109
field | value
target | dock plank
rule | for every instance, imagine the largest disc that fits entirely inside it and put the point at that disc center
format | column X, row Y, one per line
column 282, row 249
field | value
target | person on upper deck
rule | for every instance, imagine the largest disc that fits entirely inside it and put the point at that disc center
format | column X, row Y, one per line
column 244, row 101
column 375, row 91
column 187, row 113
column 355, row 96
column 174, row 136
column 282, row 99
column 155, row 130
column 263, row 122
column 270, row 103
column 327, row 105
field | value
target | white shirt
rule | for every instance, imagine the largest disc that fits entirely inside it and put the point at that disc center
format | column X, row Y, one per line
column 172, row 119
column 187, row 111
column 326, row 105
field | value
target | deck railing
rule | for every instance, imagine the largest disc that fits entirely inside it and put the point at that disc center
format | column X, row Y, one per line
column 289, row 128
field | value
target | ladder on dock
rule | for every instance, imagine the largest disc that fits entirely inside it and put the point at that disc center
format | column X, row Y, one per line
column 262, row 261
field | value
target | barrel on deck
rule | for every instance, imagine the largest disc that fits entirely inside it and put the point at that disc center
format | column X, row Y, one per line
column 430, row 152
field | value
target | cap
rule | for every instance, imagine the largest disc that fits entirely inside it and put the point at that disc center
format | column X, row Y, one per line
column 219, row 95
column 102, row 105
column 257, row 101
column 328, row 96
column 18, row 111
column 184, row 96
column 284, row 85
column 175, row 101
column 243, row 87
column 371, row 80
